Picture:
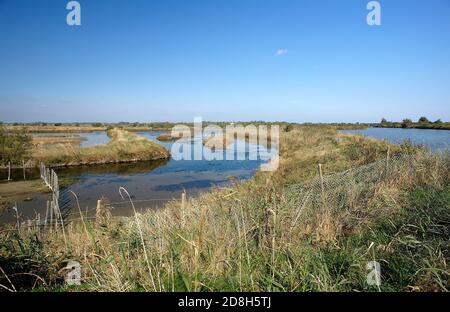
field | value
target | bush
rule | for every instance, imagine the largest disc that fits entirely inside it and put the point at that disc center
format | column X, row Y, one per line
column 289, row 128
column 406, row 123
column 14, row 145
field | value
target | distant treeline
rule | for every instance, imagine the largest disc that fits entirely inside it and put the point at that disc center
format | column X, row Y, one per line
column 92, row 124
column 167, row 124
column 422, row 123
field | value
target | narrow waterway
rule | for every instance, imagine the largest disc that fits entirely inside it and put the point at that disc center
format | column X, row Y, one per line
column 151, row 183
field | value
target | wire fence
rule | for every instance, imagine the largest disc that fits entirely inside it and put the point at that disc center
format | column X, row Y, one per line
column 53, row 215
column 342, row 192
column 336, row 192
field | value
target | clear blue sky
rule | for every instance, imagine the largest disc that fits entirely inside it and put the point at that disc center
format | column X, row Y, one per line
column 172, row 60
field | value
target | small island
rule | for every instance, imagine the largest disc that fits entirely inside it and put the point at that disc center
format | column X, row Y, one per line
column 124, row 146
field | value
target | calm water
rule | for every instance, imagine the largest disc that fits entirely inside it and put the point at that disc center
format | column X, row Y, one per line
column 93, row 138
column 435, row 140
column 150, row 184
column 88, row 138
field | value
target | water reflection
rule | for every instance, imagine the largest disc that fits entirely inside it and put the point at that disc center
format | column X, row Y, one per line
column 151, row 184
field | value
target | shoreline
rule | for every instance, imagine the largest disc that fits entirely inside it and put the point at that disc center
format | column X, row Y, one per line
column 408, row 128
column 123, row 147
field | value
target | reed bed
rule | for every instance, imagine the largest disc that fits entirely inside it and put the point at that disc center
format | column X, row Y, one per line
column 124, row 146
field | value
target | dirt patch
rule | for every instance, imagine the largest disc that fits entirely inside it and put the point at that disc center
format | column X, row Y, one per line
column 16, row 191
column 167, row 137
column 218, row 141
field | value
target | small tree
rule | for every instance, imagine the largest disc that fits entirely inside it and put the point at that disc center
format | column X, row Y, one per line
column 406, row 123
column 289, row 128
column 14, row 145
column 423, row 120
column 383, row 121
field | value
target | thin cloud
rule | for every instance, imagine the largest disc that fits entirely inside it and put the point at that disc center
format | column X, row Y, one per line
column 281, row 52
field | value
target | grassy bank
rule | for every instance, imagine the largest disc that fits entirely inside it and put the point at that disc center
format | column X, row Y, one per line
column 279, row 231
column 176, row 134
column 222, row 141
column 55, row 138
column 55, row 129
column 124, row 146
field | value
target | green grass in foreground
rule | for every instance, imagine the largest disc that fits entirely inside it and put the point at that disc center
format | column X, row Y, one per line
column 412, row 246
column 265, row 234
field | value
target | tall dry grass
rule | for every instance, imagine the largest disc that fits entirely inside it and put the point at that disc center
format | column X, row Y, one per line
column 124, row 146
column 276, row 232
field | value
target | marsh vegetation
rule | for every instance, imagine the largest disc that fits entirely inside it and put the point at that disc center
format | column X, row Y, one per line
column 275, row 232
column 124, row 146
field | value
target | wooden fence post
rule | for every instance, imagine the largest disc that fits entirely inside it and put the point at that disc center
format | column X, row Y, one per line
column 321, row 179
column 38, row 224
column 387, row 159
column 9, row 171
column 23, row 166
column 51, row 215
column 183, row 204
column 46, row 216
column 16, row 209
column 183, row 199
column 102, row 213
